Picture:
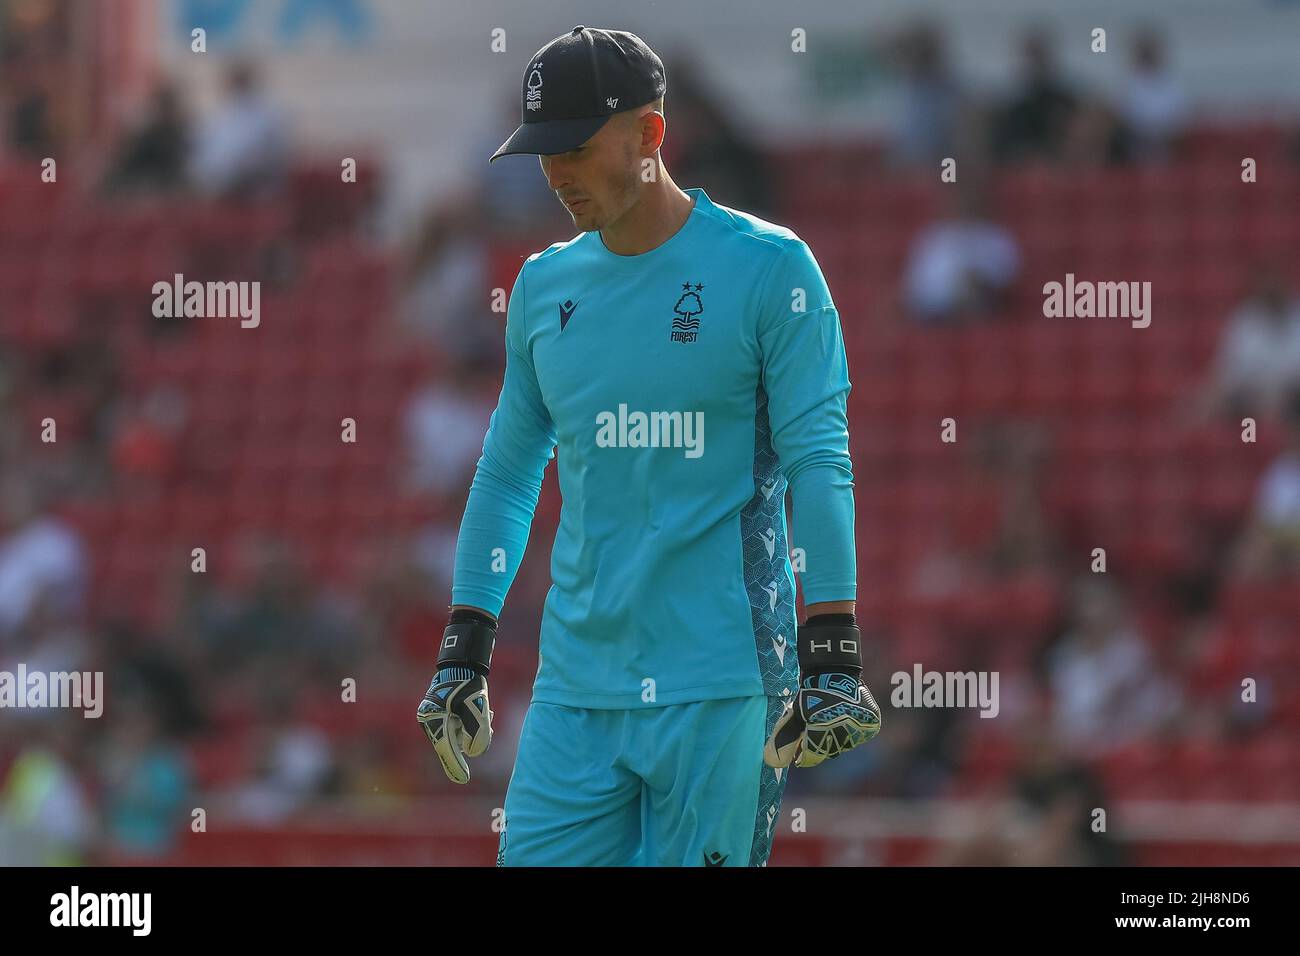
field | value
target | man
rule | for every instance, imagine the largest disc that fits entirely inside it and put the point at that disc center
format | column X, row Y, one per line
column 961, row 268
column 1257, row 366
column 242, row 151
column 667, row 654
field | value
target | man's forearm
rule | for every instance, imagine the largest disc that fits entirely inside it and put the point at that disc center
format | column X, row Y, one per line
column 821, row 496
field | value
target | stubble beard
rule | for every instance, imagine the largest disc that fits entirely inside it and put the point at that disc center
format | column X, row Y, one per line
column 624, row 194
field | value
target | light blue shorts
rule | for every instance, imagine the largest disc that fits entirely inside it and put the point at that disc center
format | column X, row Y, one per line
column 677, row 785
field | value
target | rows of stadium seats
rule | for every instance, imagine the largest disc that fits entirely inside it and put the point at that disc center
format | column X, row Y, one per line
column 826, row 167
column 261, row 446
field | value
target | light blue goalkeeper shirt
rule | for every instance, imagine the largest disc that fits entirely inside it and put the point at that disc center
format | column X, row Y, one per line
column 685, row 389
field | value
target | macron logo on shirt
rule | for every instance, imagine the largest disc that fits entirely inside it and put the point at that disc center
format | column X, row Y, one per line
column 566, row 312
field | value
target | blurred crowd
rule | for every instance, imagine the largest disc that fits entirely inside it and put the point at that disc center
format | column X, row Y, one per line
column 223, row 700
column 1046, row 117
column 961, row 267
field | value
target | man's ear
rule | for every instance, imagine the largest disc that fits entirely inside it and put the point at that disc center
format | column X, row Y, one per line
column 653, row 131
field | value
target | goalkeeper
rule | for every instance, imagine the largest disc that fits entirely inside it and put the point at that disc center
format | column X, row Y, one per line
column 687, row 362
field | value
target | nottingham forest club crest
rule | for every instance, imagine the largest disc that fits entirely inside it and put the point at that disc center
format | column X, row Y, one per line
column 686, row 313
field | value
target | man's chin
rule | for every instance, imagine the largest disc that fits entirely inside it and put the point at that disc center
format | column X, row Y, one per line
column 583, row 220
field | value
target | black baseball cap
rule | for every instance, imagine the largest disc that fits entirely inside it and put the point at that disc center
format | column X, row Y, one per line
column 575, row 83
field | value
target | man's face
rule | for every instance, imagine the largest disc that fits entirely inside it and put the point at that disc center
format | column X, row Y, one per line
column 598, row 182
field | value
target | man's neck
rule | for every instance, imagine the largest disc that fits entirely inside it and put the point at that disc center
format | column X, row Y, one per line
column 661, row 211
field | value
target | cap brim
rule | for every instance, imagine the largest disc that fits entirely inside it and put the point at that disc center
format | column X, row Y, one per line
column 552, row 136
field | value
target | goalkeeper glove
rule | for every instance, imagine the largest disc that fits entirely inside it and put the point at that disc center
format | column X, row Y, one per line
column 833, row 710
column 454, row 713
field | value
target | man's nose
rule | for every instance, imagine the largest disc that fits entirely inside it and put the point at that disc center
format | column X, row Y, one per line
column 556, row 171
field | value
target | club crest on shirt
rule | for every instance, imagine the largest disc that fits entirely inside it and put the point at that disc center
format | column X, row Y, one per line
column 686, row 313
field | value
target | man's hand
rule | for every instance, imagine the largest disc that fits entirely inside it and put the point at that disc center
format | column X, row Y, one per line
column 831, row 713
column 457, row 719
column 833, row 710
column 454, row 712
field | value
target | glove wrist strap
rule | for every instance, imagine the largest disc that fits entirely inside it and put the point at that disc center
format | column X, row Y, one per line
column 468, row 642
column 833, row 645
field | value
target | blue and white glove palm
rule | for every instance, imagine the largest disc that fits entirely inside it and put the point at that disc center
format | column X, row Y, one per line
column 457, row 719
column 833, row 710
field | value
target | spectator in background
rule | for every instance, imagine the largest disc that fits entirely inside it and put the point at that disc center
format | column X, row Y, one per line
column 999, row 534
column 201, row 614
column 1257, row 366
column 1095, row 137
column 45, row 813
column 162, row 671
column 399, row 607
column 1211, row 656
column 1106, row 687
column 1057, row 795
column 37, row 105
column 31, row 130
column 932, row 103
column 282, row 615
column 152, row 158
column 146, row 785
column 75, row 374
column 42, row 559
column 1154, row 105
column 296, row 764
column 1046, row 816
column 147, row 440
column 50, row 643
column 1004, row 513
column 963, row 266
column 445, row 286
column 1034, row 123
column 242, row 152
column 706, row 147
column 1270, row 545
column 447, row 265
column 444, row 424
